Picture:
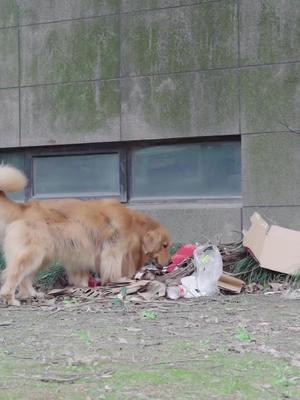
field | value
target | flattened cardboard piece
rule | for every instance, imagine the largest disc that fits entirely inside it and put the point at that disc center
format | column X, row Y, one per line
column 254, row 238
column 230, row 283
column 275, row 248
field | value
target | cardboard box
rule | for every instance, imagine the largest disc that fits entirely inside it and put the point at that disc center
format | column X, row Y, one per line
column 275, row 248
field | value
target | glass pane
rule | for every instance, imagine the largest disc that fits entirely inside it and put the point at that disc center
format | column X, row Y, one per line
column 187, row 170
column 76, row 175
column 18, row 161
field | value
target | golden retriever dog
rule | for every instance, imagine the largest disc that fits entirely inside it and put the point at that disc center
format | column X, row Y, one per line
column 102, row 236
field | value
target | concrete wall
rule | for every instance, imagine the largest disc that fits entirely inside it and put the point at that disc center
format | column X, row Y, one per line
column 84, row 71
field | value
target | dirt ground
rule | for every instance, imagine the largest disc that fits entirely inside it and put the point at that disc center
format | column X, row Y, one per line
column 231, row 347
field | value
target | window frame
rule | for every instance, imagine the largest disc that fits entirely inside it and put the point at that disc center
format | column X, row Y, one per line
column 66, row 151
column 125, row 151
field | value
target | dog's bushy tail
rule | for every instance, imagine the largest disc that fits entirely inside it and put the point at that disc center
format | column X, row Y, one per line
column 11, row 179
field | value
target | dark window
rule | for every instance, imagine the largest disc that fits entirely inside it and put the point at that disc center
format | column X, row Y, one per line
column 76, row 175
column 187, row 171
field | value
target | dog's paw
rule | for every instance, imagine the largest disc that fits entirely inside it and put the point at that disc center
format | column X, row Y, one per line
column 26, row 295
column 11, row 302
column 14, row 302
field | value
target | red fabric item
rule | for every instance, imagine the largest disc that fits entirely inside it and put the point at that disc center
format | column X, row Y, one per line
column 183, row 253
column 93, row 282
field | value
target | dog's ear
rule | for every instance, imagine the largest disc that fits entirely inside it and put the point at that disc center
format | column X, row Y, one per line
column 151, row 241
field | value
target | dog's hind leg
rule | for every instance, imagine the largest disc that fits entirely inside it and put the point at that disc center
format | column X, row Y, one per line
column 78, row 278
column 16, row 271
column 111, row 264
column 26, row 290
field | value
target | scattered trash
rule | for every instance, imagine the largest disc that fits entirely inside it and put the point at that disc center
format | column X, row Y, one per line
column 154, row 290
column 183, row 254
column 94, row 282
column 174, row 278
column 275, row 248
column 194, row 271
column 133, row 287
column 209, row 268
column 175, row 292
column 200, row 270
column 203, row 281
column 230, row 283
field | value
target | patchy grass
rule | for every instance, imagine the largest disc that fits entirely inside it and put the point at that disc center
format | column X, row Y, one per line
column 249, row 270
column 195, row 350
column 219, row 375
column 54, row 276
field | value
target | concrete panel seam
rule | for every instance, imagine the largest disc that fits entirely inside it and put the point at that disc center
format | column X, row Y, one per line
column 19, row 72
column 244, row 67
column 8, row 87
column 188, row 71
column 8, row 27
column 69, row 82
column 70, row 20
column 239, row 64
column 119, row 68
column 115, row 14
column 196, row 3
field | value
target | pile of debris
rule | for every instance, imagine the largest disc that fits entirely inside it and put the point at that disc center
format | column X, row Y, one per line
column 197, row 270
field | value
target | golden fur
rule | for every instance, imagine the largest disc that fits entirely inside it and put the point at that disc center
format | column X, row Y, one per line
column 102, row 236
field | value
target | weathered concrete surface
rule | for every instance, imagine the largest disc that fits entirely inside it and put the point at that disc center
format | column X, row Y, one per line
column 196, row 222
column 271, row 164
column 70, row 51
column 9, row 118
column 285, row 216
column 8, row 14
column 270, row 95
column 185, row 38
column 269, row 31
column 193, row 104
column 8, row 57
column 70, row 113
column 133, row 5
column 36, row 11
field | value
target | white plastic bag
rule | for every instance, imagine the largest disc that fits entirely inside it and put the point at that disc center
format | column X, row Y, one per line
column 209, row 268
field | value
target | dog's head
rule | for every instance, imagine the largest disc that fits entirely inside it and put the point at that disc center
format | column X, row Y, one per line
column 156, row 245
